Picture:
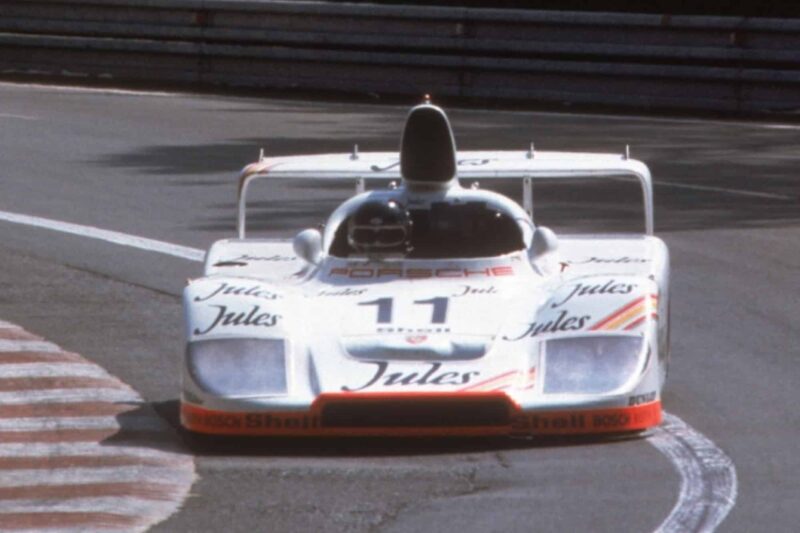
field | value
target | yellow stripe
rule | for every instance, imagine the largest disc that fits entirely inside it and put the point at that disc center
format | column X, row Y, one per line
column 647, row 306
column 625, row 317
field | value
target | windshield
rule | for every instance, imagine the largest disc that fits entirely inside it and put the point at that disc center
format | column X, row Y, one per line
column 451, row 230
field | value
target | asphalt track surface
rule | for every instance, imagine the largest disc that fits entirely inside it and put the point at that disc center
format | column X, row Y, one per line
column 164, row 166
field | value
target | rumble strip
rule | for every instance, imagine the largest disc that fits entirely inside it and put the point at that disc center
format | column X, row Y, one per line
column 72, row 456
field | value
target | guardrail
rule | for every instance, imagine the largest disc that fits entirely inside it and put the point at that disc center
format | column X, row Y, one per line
column 729, row 64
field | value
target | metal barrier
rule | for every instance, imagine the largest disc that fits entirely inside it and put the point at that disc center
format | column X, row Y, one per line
column 729, row 64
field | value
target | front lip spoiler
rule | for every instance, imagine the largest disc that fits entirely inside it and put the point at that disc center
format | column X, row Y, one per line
column 518, row 423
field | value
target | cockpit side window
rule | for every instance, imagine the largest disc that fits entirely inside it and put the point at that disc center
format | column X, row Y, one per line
column 452, row 230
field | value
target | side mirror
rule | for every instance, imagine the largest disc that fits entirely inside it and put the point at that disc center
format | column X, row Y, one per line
column 543, row 251
column 308, row 246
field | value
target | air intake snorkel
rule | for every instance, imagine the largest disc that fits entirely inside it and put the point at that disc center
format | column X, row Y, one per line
column 428, row 149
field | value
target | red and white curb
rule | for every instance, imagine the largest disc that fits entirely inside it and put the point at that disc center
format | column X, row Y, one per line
column 79, row 449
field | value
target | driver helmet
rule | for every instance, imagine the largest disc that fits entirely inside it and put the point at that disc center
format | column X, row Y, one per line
column 380, row 226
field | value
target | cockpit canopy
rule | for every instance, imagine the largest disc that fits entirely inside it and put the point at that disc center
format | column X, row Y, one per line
column 457, row 224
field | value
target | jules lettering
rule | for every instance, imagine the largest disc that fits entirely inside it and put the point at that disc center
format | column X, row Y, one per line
column 254, row 317
column 346, row 291
column 276, row 258
column 432, row 376
column 563, row 322
column 611, row 260
column 582, row 289
column 469, row 290
column 254, row 291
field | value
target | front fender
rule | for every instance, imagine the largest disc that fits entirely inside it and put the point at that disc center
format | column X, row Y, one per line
column 228, row 307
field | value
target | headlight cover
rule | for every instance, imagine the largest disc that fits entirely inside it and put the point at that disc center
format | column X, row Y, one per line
column 590, row 365
column 238, row 368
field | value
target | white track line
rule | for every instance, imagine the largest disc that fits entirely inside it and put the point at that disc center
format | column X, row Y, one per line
column 708, row 476
column 80, row 476
column 93, row 394
column 28, row 346
column 130, row 423
column 77, row 449
column 114, row 237
column 18, row 117
column 90, row 90
column 739, row 192
column 49, row 370
column 111, row 504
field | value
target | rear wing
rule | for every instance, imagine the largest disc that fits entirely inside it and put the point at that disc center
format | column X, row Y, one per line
column 473, row 165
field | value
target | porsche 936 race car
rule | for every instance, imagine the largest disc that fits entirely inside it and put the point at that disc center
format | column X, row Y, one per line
column 428, row 308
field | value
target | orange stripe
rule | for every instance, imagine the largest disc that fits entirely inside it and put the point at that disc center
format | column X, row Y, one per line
column 625, row 317
column 591, row 421
column 532, row 423
column 604, row 323
column 616, row 313
column 636, row 323
column 531, row 378
column 490, row 380
column 497, row 385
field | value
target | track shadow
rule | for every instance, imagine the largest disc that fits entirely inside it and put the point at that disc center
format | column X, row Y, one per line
column 224, row 157
column 707, row 174
column 141, row 425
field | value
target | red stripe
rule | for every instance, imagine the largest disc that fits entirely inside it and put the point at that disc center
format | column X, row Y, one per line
column 14, row 358
column 617, row 313
column 83, row 435
column 59, row 382
column 490, row 380
column 144, row 490
column 14, row 521
column 636, row 323
column 76, row 409
column 58, row 435
column 76, row 461
column 17, row 334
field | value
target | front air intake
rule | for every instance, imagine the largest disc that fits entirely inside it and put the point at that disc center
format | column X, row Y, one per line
column 402, row 413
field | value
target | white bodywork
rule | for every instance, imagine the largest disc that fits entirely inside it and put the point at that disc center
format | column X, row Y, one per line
column 572, row 339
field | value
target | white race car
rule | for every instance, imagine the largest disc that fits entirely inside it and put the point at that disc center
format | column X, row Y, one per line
column 426, row 308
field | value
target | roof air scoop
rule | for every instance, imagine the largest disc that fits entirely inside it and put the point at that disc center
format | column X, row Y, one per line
column 427, row 149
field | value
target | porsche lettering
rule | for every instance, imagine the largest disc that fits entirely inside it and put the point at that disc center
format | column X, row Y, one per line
column 420, row 273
